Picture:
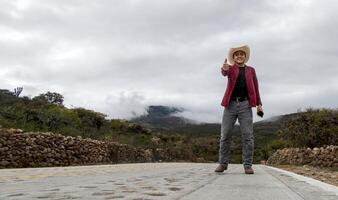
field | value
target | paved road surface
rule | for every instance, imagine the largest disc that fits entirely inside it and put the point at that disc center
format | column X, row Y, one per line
column 185, row 181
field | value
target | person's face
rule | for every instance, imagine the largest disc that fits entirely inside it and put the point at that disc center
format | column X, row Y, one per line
column 239, row 57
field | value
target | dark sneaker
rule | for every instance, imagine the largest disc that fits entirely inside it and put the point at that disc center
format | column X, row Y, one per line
column 221, row 168
column 248, row 170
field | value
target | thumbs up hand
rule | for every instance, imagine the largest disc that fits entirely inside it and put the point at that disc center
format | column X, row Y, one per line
column 225, row 65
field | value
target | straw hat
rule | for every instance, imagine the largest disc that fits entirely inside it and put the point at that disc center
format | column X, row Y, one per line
column 244, row 48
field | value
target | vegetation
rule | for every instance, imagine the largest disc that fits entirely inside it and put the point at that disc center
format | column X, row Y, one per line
column 313, row 128
column 46, row 112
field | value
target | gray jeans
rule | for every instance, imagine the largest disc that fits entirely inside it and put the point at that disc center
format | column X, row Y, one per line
column 243, row 112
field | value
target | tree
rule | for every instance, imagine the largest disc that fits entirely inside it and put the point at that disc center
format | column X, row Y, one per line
column 50, row 97
column 7, row 97
column 90, row 120
column 17, row 91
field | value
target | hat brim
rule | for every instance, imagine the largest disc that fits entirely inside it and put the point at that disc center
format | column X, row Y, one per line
column 244, row 48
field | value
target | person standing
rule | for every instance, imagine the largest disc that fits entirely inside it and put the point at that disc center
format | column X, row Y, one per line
column 241, row 95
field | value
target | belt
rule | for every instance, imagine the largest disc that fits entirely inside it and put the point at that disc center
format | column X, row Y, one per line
column 239, row 99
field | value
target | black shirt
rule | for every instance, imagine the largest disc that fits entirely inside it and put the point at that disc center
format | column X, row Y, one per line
column 240, row 89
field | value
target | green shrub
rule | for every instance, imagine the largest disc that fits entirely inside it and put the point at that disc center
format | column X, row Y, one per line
column 313, row 128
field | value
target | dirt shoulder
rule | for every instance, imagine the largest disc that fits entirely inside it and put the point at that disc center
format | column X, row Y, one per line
column 326, row 175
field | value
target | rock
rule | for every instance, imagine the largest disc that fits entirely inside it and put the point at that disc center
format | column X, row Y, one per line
column 35, row 149
column 13, row 130
column 4, row 163
column 321, row 157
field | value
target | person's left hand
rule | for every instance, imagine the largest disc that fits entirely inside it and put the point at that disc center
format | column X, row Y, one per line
column 259, row 108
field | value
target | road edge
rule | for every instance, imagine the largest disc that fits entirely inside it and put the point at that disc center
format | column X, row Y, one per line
column 325, row 186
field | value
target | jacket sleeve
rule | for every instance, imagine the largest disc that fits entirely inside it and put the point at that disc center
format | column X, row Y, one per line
column 258, row 98
column 224, row 72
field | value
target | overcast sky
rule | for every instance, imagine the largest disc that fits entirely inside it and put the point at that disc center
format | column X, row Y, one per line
column 120, row 56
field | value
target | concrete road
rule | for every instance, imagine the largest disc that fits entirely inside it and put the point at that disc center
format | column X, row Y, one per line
column 186, row 181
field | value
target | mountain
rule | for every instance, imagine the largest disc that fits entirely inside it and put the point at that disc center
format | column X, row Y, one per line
column 162, row 118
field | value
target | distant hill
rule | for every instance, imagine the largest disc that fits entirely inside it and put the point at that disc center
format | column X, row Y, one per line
column 162, row 118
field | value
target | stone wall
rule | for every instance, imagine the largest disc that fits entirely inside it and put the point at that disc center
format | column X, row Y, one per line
column 34, row 149
column 326, row 156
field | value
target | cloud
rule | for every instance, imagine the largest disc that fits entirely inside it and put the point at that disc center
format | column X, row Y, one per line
column 118, row 57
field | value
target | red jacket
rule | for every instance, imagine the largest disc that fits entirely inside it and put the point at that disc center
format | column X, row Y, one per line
column 251, row 83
